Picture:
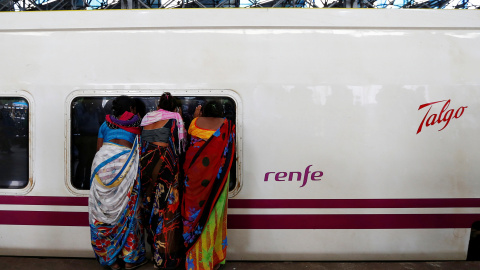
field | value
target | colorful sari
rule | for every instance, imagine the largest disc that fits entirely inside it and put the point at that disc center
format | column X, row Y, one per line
column 204, row 210
column 161, row 191
column 113, row 205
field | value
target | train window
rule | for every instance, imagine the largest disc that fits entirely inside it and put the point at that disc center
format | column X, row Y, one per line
column 88, row 113
column 14, row 147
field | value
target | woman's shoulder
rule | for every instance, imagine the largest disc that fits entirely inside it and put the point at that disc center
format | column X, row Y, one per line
column 104, row 125
column 160, row 115
column 149, row 118
column 194, row 122
column 192, row 125
column 149, row 114
column 103, row 130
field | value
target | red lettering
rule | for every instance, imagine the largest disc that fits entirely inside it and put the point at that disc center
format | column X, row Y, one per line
column 277, row 176
column 290, row 176
column 445, row 119
column 432, row 119
column 461, row 108
column 444, row 108
column 266, row 176
column 315, row 175
column 421, row 124
column 303, row 177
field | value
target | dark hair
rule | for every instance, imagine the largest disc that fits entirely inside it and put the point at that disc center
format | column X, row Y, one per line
column 212, row 108
column 167, row 102
column 140, row 106
column 122, row 104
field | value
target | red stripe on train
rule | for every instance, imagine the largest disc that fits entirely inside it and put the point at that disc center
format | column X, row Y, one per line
column 354, row 203
column 44, row 200
column 367, row 221
column 277, row 203
column 45, row 218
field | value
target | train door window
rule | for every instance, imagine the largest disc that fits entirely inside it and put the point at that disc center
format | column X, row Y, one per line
column 14, row 143
column 88, row 114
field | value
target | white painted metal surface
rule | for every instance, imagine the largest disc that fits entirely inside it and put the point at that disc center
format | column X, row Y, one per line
column 335, row 89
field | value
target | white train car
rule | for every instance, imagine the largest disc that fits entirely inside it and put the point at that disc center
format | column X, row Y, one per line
column 357, row 130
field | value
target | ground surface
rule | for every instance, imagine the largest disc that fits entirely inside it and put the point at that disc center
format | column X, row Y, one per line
column 20, row 263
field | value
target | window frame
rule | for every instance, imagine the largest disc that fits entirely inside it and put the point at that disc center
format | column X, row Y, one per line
column 148, row 93
column 31, row 152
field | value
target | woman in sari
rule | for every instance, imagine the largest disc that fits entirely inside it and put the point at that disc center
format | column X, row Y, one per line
column 164, row 139
column 116, row 230
column 204, row 210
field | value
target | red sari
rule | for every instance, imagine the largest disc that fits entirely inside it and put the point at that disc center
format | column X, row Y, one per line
column 207, row 165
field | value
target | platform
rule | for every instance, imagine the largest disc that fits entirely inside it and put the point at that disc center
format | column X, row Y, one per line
column 30, row 263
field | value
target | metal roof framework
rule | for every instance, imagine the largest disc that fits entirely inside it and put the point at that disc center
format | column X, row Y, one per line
column 41, row 5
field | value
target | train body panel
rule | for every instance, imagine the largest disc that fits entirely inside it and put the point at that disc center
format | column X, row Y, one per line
column 357, row 130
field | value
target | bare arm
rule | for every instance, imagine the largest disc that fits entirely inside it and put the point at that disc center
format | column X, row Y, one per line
column 99, row 143
column 198, row 111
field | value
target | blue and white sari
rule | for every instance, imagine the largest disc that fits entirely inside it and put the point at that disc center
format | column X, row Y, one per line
column 113, row 205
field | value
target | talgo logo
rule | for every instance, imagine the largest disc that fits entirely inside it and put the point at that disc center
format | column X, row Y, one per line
column 445, row 115
column 282, row 176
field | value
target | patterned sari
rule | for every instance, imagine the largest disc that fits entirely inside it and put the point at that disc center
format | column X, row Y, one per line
column 116, row 230
column 204, row 209
column 161, row 202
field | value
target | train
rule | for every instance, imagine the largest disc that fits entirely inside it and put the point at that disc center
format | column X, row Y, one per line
column 357, row 129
